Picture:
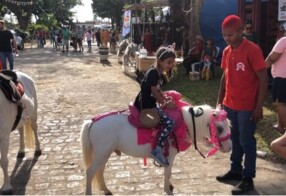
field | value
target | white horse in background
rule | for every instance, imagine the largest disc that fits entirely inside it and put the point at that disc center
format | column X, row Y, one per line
column 27, row 125
column 129, row 57
column 122, row 47
column 113, row 133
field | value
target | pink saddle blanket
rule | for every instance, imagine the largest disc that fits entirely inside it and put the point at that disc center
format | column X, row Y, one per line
column 180, row 136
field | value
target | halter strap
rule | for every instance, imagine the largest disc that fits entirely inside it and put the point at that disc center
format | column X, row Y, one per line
column 215, row 116
column 191, row 110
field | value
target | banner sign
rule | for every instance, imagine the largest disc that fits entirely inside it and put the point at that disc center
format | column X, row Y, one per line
column 282, row 10
column 126, row 23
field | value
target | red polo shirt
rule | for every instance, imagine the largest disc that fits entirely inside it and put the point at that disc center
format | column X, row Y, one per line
column 241, row 83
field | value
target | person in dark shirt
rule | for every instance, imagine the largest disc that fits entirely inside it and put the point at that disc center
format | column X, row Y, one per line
column 151, row 97
column 194, row 54
column 248, row 32
column 6, row 50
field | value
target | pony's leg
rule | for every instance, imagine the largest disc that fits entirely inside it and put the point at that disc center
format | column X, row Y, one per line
column 101, row 182
column 92, row 171
column 4, row 145
column 34, row 125
column 21, row 151
column 168, row 187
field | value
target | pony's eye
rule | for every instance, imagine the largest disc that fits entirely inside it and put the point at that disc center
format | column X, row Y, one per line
column 219, row 129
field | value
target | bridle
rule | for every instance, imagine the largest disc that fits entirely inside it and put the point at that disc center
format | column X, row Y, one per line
column 220, row 115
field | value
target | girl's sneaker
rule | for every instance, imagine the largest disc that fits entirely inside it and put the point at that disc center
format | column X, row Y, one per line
column 157, row 154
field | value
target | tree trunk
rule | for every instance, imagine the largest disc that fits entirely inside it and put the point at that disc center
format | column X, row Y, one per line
column 186, row 13
column 176, row 12
column 192, row 10
column 23, row 20
column 22, row 12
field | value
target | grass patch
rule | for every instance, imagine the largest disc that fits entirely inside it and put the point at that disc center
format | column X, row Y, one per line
column 206, row 92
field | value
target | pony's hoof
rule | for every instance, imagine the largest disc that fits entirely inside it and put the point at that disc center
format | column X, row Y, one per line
column 108, row 193
column 7, row 192
column 171, row 187
column 38, row 153
column 20, row 155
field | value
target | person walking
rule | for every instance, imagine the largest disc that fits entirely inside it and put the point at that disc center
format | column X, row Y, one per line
column 88, row 39
column 97, row 37
column 6, row 51
column 276, row 60
column 66, row 36
column 243, row 89
column 79, row 39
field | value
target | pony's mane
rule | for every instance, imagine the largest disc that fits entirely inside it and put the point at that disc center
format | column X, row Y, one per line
column 201, row 121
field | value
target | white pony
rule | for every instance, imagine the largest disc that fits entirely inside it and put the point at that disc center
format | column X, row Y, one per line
column 27, row 124
column 113, row 133
column 122, row 47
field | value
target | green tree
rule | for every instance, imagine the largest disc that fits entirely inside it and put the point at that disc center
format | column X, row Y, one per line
column 48, row 10
column 109, row 8
column 23, row 12
column 44, row 10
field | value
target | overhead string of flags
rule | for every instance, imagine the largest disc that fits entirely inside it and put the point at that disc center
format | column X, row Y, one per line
column 20, row 2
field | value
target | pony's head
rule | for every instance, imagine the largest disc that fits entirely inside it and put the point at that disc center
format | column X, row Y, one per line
column 208, row 126
column 132, row 47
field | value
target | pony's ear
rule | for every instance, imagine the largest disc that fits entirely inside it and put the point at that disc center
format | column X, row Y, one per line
column 218, row 107
column 215, row 113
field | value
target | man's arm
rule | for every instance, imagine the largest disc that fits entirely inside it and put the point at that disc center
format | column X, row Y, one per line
column 15, row 46
column 272, row 58
column 221, row 92
column 262, row 92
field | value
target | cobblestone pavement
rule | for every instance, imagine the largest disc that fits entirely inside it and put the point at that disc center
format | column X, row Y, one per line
column 75, row 86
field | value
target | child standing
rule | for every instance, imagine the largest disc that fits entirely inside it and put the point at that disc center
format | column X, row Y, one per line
column 151, row 97
column 88, row 39
column 208, row 57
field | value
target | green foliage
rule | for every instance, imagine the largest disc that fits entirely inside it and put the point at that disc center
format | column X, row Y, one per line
column 110, row 9
column 47, row 12
column 3, row 11
column 33, row 27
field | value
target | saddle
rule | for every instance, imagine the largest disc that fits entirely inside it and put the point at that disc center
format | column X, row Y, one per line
column 13, row 91
column 10, row 86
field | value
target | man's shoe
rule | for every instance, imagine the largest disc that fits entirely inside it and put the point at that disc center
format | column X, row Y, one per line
column 229, row 176
column 243, row 187
column 157, row 154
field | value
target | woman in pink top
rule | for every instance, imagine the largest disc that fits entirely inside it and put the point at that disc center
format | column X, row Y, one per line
column 276, row 60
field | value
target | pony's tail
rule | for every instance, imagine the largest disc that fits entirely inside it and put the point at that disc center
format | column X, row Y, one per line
column 29, row 134
column 87, row 148
column 85, row 143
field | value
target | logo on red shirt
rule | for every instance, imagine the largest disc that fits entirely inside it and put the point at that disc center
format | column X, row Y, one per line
column 240, row 66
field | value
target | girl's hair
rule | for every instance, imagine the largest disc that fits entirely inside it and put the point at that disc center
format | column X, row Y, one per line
column 164, row 53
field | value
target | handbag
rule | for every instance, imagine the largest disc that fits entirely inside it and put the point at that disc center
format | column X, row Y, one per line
column 149, row 118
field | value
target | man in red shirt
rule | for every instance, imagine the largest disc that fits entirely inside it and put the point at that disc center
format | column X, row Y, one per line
column 242, row 91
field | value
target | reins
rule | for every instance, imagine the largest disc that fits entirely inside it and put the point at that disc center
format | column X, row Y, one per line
column 191, row 110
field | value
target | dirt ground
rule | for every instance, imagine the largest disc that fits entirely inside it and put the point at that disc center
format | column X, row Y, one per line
column 74, row 87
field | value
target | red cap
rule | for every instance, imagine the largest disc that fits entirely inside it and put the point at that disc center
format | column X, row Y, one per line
column 232, row 21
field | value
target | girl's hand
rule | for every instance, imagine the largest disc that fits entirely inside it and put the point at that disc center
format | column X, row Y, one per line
column 170, row 105
column 167, row 98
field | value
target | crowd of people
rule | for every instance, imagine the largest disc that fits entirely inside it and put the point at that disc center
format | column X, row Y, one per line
column 63, row 38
